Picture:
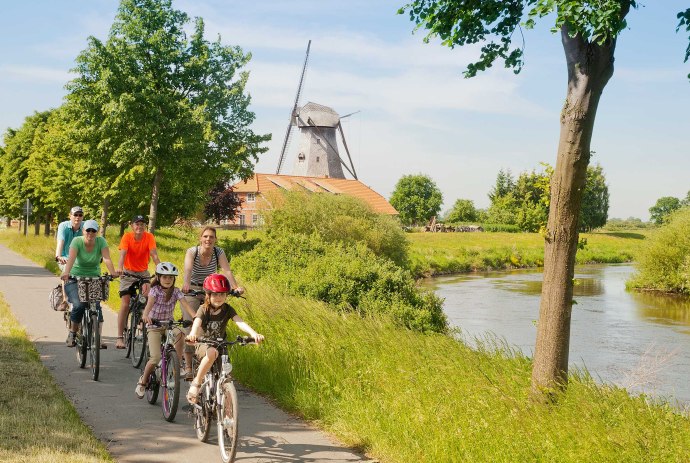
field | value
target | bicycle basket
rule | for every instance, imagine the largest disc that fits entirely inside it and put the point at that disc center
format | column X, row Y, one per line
column 93, row 290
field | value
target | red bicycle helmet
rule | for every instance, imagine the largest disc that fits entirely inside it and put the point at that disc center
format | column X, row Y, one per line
column 216, row 283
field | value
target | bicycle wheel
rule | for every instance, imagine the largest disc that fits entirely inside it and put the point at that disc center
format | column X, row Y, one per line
column 170, row 385
column 227, row 421
column 95, row 347
column 138, row 341
column 153, row 386
column 129, row 329
column 83, row 340
column 202, row 419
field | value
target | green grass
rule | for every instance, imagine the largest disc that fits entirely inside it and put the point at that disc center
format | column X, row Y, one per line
column 441, row 253
column 38, row 423
column 402, row 396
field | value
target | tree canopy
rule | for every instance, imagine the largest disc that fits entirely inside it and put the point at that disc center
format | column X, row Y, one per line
column 663, row 208
column 417, row 199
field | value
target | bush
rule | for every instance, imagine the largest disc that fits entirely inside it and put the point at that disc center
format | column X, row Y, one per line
column 338, row 218
column 664, row 262
column 349, row 278
column 500, row 227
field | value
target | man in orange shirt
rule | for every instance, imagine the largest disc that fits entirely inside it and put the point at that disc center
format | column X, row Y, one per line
column 136, row 247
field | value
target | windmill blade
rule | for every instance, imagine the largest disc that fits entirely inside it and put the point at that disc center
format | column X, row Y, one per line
column 342, row 137
column 348, row 115
column 293, row 113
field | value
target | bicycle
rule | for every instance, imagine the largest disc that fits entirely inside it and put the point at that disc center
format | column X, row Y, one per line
column 135, row 329
column 217, row 399
column 88, row 340
column 166, row 375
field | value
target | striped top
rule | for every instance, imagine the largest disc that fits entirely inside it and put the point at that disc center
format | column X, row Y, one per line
column 199, row 273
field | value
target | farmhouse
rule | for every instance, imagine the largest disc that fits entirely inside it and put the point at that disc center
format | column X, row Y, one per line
column 254, row 193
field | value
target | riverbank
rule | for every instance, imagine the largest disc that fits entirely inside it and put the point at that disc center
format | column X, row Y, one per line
column 402, row 396
column 447, row 253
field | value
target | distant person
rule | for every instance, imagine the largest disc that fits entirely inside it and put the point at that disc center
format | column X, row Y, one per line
column 200, row 262
column 136, row 248
column 85, row 254
column 66, row 232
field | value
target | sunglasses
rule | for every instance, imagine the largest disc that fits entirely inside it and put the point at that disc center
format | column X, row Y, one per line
column 90, row 230
column 78, row 214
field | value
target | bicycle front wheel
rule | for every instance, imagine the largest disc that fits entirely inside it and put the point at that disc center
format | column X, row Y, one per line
column 227, row 422
column 83, row 340
column 95, row 347
column 153, row 386
column 138, row 342
column 129, row 329
column 170, row 385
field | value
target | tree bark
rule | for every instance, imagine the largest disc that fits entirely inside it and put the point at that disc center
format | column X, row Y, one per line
column 590, row 66
column 37, row 226
column 104, row 216
column 155, row 193
column 49, row 219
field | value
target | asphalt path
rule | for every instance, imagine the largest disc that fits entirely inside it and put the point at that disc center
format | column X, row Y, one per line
column 132, row 429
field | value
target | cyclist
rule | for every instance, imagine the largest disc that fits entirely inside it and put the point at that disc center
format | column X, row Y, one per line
column 66, row 232
column 85, row 254
column 199, row 262
column 212, row 318
column 136, row 247
column 160, row 306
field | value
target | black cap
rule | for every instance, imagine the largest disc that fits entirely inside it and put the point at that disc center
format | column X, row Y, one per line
column 139, row 218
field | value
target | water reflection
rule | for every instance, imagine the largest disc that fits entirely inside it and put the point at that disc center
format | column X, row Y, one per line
column 615, row 334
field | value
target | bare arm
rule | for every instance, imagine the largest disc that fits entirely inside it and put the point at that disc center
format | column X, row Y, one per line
column 147, row 310
column 195, row 331
column 154, row 256
column 225, row 266
column 70, row 263
column 187, row 276
column 121, row 266
column 58, row 251
column 105, row 253
column 244, row 326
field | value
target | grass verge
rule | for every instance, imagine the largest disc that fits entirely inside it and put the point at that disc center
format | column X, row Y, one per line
column 38, row 423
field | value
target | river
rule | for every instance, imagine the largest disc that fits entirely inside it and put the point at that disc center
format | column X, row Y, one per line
column 635, row 340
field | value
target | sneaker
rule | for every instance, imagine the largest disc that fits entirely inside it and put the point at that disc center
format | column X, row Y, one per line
column 140, row 390
column 71, row 339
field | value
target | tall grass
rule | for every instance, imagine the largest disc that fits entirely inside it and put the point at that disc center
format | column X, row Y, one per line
column 37, row 422
column 402, row 396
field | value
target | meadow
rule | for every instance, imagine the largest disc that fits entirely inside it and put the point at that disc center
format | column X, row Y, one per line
column 404, row 396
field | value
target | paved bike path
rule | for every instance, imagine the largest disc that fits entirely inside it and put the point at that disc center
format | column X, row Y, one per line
column 133, row 430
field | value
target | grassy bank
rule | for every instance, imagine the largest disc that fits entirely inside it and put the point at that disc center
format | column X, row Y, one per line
column 408, row 397
column 440, row 253
column 38, row 423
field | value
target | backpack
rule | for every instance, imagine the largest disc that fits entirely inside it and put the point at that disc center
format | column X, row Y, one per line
column 56, row 300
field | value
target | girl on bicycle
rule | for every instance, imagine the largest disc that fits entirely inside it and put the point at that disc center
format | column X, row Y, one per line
column 160, row 306
column 212, row 318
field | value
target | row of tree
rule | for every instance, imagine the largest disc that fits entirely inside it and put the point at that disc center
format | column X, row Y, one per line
column 523, row 202
column 154, row 120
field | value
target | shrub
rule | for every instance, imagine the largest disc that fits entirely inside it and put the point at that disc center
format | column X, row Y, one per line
column 338, row 218
column 664, row 262
column 500, row 227
column 349, row 278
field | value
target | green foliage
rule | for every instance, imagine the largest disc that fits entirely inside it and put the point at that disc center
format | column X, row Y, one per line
column 163, row 111
column 463, row 211
column 663, row 208
column 595, row 200
column 348, row 277
column 630, row 223
column 337, row 219
column 684, row 20
column 500, row 227
column 664, row 261
column 417, row 199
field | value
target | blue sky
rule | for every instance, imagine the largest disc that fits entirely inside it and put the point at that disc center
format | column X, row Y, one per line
column 418, row 114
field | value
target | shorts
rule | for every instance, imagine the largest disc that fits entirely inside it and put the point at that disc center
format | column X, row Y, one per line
column 127, row 281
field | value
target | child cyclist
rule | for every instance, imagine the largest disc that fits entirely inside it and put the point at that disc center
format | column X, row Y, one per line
column 213, row 317
column 160, row 306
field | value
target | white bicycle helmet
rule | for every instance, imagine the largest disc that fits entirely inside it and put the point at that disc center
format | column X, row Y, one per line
column 166, row 268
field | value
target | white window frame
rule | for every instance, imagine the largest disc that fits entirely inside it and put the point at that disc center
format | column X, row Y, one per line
column 251, row 197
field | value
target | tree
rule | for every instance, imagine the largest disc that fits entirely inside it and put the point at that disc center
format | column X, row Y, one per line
column 417, row 199
column 589, row 31
column 223, row 203
column 660, row 211
column 504, row 184
column 595, row 200
column 463, row 211
column 166, row 117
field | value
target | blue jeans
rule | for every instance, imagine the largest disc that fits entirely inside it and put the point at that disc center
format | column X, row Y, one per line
column 78, row 307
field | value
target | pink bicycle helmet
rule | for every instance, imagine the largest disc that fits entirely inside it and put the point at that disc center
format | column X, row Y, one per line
column 216, row 283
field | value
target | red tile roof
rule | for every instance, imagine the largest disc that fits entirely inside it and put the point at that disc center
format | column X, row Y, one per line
column 263, row 183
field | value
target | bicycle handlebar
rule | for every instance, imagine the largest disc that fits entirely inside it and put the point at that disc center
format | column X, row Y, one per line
column 196, row 292
column 218, row 342
column 105, row 276
column 171, row 323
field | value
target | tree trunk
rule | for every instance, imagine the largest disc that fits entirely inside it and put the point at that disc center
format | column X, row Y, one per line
column 155, row 193
column 123, row 227
column 590, row 66
column 49, row 219
column 104, row 216
column 37, row 226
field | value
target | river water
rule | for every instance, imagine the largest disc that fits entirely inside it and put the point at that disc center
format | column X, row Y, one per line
column 636, row 340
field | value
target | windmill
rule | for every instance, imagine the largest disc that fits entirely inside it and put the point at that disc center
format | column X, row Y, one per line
column 318, row 150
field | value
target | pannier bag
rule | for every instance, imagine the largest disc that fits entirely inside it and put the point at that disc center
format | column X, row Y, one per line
column 56, row 300
column 93, row 289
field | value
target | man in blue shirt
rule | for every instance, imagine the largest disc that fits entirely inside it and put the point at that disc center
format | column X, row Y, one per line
column 66, row 232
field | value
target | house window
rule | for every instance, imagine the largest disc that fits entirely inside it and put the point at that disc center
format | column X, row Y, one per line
column 255, row 219
column 301, row 157
column 242, row 220
column 251, row 197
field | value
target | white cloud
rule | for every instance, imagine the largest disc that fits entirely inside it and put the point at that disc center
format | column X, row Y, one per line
column 35, row 74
